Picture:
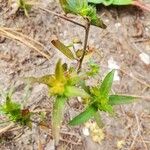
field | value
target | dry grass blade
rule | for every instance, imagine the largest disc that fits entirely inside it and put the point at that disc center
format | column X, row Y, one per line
column 3, row 130
column 11, row 34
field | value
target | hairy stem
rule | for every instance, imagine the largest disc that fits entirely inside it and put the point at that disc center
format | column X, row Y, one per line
column 87, row 29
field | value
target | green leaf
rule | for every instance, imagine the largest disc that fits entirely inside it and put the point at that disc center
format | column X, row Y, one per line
column 95, row 20
column 104, row 2
column 14, row 112
column 59, row 71
column 98, row 120
column 24, row 6
column 83, row 86
column 81, row 7
column 120, row 99
column 94, row 69
column 57, row 117
column 111, row 2
column 107, row 84
column 84, row 116
column 47, row 79
column 72, row 91
column 106, row 107
column 64, row 49
column 64, row 4
column 77, row 6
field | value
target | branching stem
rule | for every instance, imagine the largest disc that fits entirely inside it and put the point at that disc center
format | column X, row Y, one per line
column 86, row 27
column 63, row 17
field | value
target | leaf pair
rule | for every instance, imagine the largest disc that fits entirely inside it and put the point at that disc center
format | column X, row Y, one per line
column 81, row 7
column 101, row 101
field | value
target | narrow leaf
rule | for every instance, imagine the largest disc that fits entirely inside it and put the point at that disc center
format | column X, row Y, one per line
column 72, row 91
column 84, row 116
column 47, row 79
column 120, row 99
column 104, row 2
column 64, row 4
column 62, row 48
column 83, row 85
column 106, row 84
column 98, row 120
column 59, row 71
column 57, row 117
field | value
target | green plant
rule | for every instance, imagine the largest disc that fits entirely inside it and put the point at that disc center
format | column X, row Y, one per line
column 25, row 6
column 62, row 85
column 82, row 8
column 66, row 83
column 14, row 112
column 100, row 100
column 71, row 82
column 121, row 2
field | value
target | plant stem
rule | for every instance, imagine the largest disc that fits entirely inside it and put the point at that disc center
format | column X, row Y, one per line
column 87, row 29
column 63, row 17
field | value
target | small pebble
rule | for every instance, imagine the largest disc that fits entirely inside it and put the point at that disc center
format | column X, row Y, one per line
column 113, row 65
column 85, row 131
column 145, row 58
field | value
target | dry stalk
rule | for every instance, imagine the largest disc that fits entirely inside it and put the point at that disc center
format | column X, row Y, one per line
column 5, row 129
column 11, row 34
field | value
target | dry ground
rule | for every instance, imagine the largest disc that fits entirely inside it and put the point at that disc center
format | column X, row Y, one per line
column 127, row 36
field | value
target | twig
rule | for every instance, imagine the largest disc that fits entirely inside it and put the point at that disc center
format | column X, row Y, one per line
column 144, row 143
column 137, row 133
column 11, row 34
column 87, row 29
column 6, row 128
column 63, row 17
column 70, row 142
column 40, row 110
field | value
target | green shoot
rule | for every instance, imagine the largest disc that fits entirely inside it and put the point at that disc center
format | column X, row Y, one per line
column 93, row 69
column 14, row 112
column 62, row 85
column 25, row 6
column 100, row 100
column 82, row 8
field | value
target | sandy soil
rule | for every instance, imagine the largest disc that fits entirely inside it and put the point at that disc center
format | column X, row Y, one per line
column 126, row 37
